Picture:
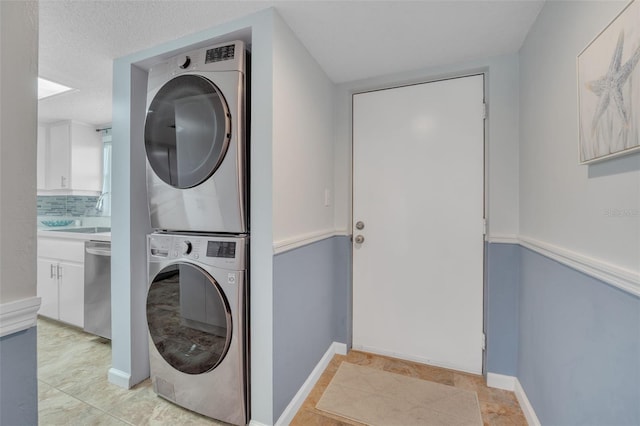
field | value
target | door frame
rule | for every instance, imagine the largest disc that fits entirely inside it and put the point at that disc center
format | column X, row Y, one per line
column 484, row 72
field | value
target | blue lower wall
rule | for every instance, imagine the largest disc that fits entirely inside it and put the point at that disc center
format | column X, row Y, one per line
column 572, row 341
column 311, row 305
column 501, row 309
column 19, row 379
column 579, row 346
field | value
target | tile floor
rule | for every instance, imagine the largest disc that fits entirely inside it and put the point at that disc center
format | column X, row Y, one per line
column 73, row 388
column 498, row 407
column 371, row 395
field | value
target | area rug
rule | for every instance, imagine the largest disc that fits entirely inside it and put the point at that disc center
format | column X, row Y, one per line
column 380, row 398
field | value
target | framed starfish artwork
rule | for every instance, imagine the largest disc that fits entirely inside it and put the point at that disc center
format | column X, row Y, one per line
column 609, row 89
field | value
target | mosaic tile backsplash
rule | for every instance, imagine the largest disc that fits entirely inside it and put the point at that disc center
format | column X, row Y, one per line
column 66, row 205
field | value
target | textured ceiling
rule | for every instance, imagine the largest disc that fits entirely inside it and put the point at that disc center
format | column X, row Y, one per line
column 351, row 40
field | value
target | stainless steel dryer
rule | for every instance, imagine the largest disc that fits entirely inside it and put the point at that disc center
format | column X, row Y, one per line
column 195, row 141
column 197, row 321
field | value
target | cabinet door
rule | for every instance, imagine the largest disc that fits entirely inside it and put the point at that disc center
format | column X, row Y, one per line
column 71, row 284
column 47, row 288
column 59, row 157
column 42, row 157
column 86, row 158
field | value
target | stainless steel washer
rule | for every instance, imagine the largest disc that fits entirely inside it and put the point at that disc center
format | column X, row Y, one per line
column 195, row 141
column 197, row 321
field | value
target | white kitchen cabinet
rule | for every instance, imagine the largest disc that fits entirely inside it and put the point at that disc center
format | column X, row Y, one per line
column 47, row 288
column 71, row 293
column 58, row 160
column 61, row 279
column 42, row 155
column 69, row 159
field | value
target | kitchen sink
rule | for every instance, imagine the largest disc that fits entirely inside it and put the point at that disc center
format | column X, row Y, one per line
column 87, row 230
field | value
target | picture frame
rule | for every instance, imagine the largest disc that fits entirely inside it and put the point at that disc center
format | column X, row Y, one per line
column 609, row 89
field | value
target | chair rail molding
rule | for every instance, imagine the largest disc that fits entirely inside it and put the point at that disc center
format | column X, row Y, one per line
column 614, row 275
column 503, row 239
column 18, row 315
column 298, row 241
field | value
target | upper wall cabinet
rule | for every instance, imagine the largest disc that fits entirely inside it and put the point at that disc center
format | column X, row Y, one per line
column 69, row 159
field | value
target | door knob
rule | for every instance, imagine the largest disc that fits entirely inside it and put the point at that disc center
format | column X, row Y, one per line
column 359, row 225
column 359, row 239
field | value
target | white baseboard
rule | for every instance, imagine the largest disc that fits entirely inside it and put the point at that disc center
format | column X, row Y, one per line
column 500, row 381
column 119, row 378
column 289, row 413
column 526, row 406
column 18, row 315
column 255, row 423
column 511, row 383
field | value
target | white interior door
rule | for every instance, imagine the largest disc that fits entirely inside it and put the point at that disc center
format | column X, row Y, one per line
column 418, row 189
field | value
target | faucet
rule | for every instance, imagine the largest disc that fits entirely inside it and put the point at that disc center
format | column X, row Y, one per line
column 100, row 201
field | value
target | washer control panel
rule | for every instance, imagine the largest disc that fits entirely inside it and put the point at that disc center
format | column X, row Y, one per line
column 222, row 251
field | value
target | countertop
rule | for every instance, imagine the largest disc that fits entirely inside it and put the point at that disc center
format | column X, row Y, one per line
column 69, row 231
column 95, row 236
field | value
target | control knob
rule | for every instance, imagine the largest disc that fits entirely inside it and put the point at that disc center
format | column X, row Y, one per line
column 186, row 247
column 184, row 62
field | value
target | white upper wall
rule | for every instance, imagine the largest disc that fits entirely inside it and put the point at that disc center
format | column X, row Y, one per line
column 18, row 141
column 563, row 204
column 302, row 143
column 501, row 145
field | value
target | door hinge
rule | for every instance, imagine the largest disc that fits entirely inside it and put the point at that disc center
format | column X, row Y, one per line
column 484, row 226
column 484, row 341
column 484, row 111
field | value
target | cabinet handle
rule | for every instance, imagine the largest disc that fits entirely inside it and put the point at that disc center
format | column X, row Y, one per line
column 59, row 271
column 62, row 182
column 51, row 271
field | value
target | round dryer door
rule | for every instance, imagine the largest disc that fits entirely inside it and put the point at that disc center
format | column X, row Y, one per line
column 187, row 131
column 189, row 318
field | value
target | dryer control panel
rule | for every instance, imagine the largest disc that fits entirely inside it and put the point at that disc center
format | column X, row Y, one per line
column 230, row 56
column 212, row 250
column 222, row 53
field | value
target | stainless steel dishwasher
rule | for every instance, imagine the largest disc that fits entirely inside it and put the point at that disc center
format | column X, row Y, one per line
column 97, row 288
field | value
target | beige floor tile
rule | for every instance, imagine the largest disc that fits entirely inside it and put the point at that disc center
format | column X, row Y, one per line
column 73, row 387
column 57, row 408
column 97, row 391
column 144, row 407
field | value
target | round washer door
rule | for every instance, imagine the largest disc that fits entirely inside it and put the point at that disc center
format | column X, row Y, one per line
column 187, row 131
column 189, row 318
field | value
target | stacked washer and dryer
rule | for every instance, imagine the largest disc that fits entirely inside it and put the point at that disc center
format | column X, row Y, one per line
column 197, row 187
